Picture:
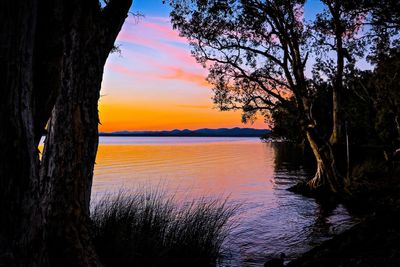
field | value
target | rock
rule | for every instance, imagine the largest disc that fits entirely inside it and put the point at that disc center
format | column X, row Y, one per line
column 276, row 262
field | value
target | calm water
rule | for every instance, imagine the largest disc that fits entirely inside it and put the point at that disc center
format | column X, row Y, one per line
column 271, row 219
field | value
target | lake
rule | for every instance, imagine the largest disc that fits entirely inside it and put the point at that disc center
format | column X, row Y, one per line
column 255, row 174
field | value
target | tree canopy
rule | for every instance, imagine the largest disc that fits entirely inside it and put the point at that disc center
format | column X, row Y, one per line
column 265, row 57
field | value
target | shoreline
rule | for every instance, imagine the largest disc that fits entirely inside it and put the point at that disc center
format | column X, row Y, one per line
column 373, row 242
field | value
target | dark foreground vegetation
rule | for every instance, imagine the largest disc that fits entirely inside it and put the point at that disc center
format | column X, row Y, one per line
column 374, row 241
column 374, row 199
column 335, row 76
column 148, row 229
column 372, row 115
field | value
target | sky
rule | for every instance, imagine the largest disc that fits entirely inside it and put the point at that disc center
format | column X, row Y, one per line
column 154, row 83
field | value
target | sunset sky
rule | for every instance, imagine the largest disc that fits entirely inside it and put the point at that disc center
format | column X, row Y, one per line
column 155, row 84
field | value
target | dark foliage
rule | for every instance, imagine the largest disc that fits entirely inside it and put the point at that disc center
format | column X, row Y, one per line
column 371, row 108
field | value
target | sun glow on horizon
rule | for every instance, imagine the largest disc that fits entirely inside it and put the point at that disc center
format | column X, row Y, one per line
column 136, row 116
column 155, row 83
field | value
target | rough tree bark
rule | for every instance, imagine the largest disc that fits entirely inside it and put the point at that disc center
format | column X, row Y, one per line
column 72, row 140
column 19, row 220
column 326, row 178
column 47, row 61
column 57, row 64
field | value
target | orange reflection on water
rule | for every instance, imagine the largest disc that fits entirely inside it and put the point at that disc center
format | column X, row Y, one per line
column 237, row 168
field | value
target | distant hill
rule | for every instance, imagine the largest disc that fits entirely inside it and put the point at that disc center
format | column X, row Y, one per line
column 222, row 132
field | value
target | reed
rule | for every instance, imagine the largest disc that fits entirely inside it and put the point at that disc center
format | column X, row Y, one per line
column 146, row 228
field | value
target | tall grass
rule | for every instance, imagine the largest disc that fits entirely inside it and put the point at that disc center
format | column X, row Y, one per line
column 147, row 229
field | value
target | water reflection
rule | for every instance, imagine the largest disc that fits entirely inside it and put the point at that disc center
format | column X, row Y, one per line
column 318, row 221
column 254, row 174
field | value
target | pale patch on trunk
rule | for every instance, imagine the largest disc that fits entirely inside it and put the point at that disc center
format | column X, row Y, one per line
column 326, row 176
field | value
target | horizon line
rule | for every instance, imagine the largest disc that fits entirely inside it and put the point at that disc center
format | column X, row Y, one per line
column 182, row 129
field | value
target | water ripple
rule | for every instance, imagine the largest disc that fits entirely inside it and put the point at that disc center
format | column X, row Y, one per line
column 271, row 219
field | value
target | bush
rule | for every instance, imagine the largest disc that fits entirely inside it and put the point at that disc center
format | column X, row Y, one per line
column 147, row 229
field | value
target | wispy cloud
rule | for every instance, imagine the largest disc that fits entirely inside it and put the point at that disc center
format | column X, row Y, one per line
column 159, row 42
column 168, row 55
column 156, row 83
column 184, row 75
column 130, row 72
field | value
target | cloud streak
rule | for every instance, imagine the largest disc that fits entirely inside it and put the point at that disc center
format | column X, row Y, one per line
column 169, row 58
column 183, row 75
column 153, row 40
column 156, row 83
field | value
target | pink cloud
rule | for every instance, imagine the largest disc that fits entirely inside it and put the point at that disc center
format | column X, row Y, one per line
column 170, row 59
column 165, row 31
column 163, row 73
column 176, row 53
column 158, row 36
column 176, row 73
column 129, row 72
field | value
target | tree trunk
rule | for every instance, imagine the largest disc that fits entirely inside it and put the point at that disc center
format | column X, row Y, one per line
column 326, row 178
column 48, row 57
column 337, row 90
column 45, row 217
column 336, row 116
column 70, row 150
column 20, row 235
column 72, row 139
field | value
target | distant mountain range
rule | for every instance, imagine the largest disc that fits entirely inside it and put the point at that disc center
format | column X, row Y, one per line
column 222, row 132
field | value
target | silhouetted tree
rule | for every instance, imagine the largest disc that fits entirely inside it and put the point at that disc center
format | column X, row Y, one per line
column 72, row 139
column 52, row 55
column 257, row 53
column 369, row 98
column 19, row 161
column 378, row 91
column 337, row 46
column 285, row 121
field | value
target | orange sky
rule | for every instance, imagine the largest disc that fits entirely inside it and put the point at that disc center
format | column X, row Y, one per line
column 137, row 115
column 155, row 84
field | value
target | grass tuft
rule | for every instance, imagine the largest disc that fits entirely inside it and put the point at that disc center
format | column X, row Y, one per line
column 147, row 229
